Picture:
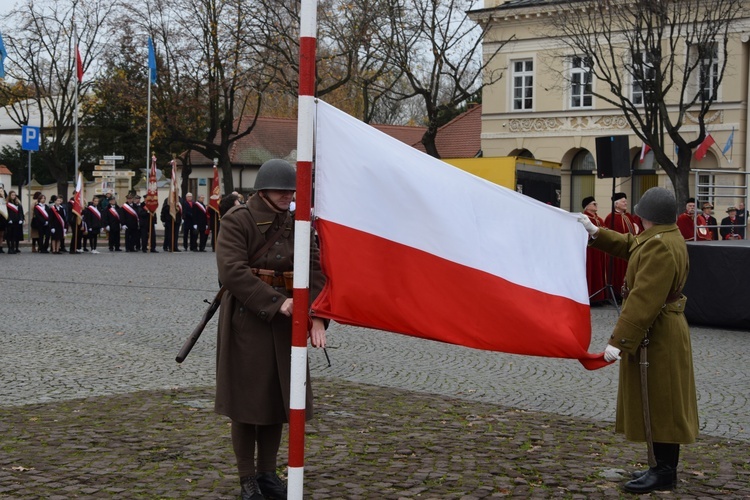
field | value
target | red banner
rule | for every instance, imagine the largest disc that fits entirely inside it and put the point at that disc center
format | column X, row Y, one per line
column 152, row 196
column 213, row 200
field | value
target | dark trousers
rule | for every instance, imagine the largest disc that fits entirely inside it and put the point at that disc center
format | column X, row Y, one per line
column 144, row 239
column 114, row 239
column 93, row 238
column 202, row 239
column 187, row 236
column 244, row 440
column 132, row 239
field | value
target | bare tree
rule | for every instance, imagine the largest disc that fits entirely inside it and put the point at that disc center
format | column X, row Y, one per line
column 438, row 48
column 210, row 88
column 657, row 61
column 41, row 51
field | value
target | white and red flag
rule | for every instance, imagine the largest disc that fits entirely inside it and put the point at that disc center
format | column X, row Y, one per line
column 174, row 191
column 703, row 147
column 215, row 197
column 77, row 196
column 413, row 245
column 644, row 151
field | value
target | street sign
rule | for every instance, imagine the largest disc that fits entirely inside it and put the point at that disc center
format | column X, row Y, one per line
column 114, row 173
column 30, row 138
column 104, row 167
column 114, row 157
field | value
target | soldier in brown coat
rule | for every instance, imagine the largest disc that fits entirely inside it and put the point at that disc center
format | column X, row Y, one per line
column 255, row 326
column 654, row 310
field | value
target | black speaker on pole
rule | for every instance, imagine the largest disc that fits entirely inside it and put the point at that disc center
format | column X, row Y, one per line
column 612, row 156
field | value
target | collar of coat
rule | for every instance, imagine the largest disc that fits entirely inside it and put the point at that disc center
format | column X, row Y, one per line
column 264, row 215
column 653, row 232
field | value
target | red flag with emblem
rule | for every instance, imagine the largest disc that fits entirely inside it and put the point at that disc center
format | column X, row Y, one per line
column 213, row 200
column 152, row 195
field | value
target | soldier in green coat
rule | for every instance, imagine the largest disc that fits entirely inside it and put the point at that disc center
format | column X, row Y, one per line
column 653, row 324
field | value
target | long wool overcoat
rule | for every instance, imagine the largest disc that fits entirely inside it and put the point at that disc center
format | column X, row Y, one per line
column 253, row 352
column 657, row 269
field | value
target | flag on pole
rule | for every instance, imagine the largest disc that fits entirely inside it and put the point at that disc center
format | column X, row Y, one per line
column 151, row 60
column 644, row 151
column 213, row 200
column 703, row 147
column 152, row 194
column 174, row 192
column 77, row 197
column 413, row 245
column 729, row 144
column 79, row 65
column 3, row 55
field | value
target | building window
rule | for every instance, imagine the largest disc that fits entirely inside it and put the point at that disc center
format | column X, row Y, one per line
column 582, row 179
column 523, row 85
column 705, row 189
column 644, row 76
column 709, row 71
column 580, row 82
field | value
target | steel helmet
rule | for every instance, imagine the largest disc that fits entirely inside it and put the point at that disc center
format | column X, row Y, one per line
column 276, row 174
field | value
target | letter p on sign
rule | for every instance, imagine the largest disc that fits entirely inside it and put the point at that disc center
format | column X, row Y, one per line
column 30, row 138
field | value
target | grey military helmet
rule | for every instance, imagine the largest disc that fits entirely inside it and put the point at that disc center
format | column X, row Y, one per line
column 657, row 205
column 276, row 174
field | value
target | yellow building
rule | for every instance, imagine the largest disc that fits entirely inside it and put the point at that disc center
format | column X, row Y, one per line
column 544, row 108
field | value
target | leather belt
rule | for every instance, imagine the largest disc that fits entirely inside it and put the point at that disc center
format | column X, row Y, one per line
column 275, row 278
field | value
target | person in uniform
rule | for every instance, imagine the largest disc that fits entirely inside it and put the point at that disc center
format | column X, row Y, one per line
column 130, row 224
column 596, row 260
column 171, row 227
column 3, row 216
column 14, row 229
column 730, row 225
column 708, row 228
column 652, row 333
column 622, row 222
column 685, row 221
column 92, row 217
column 40, row 220
column 112, row 221
column 254, row 334
column 200, row 223
column 57, row 224
column 147, row 224
column 187, row 222
column 33, row 229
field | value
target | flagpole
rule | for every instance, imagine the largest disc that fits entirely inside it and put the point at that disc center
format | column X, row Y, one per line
column 78, row 84
column 302, row 227
column 148, row 122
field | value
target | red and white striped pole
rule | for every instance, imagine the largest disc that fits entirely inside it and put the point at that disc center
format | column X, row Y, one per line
column 302, row 225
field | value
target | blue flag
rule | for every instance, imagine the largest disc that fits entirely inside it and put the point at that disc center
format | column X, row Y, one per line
column 152, row 59
column 3, row 55
column 729, row 143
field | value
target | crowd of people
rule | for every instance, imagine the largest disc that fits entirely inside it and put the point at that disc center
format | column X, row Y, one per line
column 692, row 226
column 56, row 228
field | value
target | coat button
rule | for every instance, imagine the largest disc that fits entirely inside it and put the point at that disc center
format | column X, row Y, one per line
column 278, row 256
column 277, row 243
column 262, row 314
column 623, row 341
column 274, row 299
column 242, row 309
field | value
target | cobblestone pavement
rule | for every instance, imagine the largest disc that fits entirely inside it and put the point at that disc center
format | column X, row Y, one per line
column 84, row 336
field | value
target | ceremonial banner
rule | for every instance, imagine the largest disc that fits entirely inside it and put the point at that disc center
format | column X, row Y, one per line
column 174, row 192
column 77, row 204
column 413, row 245
column 152, row 195
column 213, row 200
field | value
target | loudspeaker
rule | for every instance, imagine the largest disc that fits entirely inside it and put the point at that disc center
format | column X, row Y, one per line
column 612, row 156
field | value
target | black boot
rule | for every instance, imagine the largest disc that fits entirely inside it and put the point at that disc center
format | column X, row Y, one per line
column 250, row 489
column 271, row 486
column 660, row 478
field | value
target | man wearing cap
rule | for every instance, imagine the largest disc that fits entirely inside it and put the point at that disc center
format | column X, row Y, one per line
column 652, row 333
column 708, row 228
column 730, row 225
column 130, row 223
column 622, row 222
column 741, row 219
column 255, row 249
column 686, row 220
column 596, row 260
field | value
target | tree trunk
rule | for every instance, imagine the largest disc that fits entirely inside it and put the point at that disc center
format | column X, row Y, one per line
column 226, row 172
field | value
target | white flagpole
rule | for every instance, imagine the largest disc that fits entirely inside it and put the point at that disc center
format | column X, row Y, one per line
column 78, row 83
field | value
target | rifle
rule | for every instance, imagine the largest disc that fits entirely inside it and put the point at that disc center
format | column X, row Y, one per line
column 190, row 342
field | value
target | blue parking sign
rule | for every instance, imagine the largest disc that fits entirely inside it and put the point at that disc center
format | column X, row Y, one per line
column 30, row 138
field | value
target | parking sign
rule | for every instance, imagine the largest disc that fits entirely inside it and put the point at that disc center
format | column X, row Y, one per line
column 30, row 138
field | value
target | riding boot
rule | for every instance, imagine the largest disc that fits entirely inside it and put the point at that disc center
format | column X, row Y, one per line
column 659, row 478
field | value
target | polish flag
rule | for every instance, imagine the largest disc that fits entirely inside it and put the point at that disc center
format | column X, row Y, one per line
column 79, row 65
column 77, row 196
column 644, row 151
column 415, row 246
column 703, row 147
